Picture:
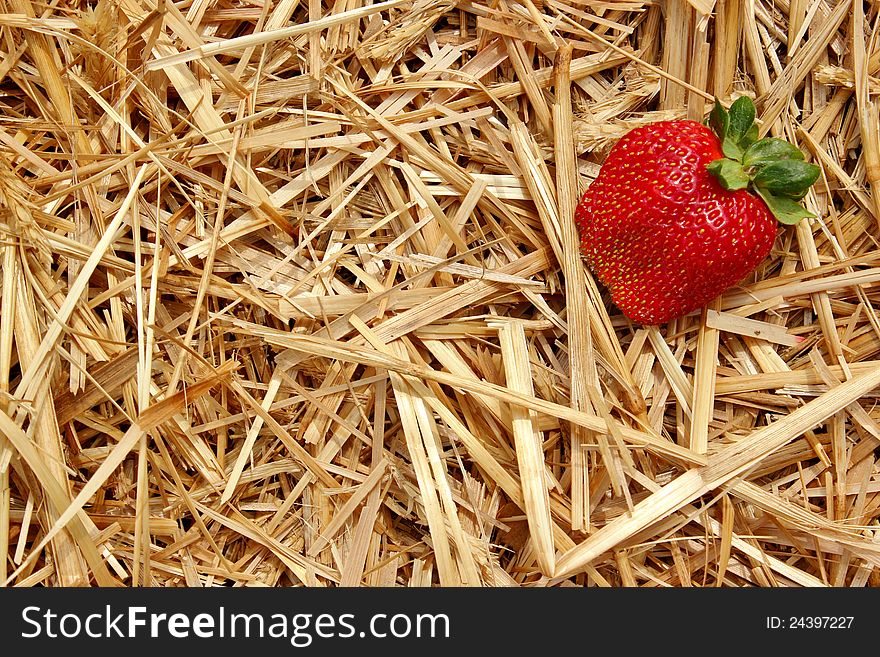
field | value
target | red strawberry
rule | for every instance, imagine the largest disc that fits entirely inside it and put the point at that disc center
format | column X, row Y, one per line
column 678, row 214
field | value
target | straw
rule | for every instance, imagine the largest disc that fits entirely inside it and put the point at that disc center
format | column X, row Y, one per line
column 292, row 295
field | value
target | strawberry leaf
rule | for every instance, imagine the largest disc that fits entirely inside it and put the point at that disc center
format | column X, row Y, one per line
column 736, row 128
column 770, row 150
column 742, row 117
column 732, row 150
column 771, row 168
column 729, row 173
column 790, row 178
column 750, row 137
column 786, row 210
column 720, row 120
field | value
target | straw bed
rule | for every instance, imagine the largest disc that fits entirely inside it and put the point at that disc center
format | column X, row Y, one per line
column 291, row 296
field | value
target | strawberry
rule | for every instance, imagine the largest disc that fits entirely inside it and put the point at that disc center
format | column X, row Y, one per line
column 679, row 213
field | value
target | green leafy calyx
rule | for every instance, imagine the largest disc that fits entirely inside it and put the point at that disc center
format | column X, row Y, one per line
column 772, row 168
